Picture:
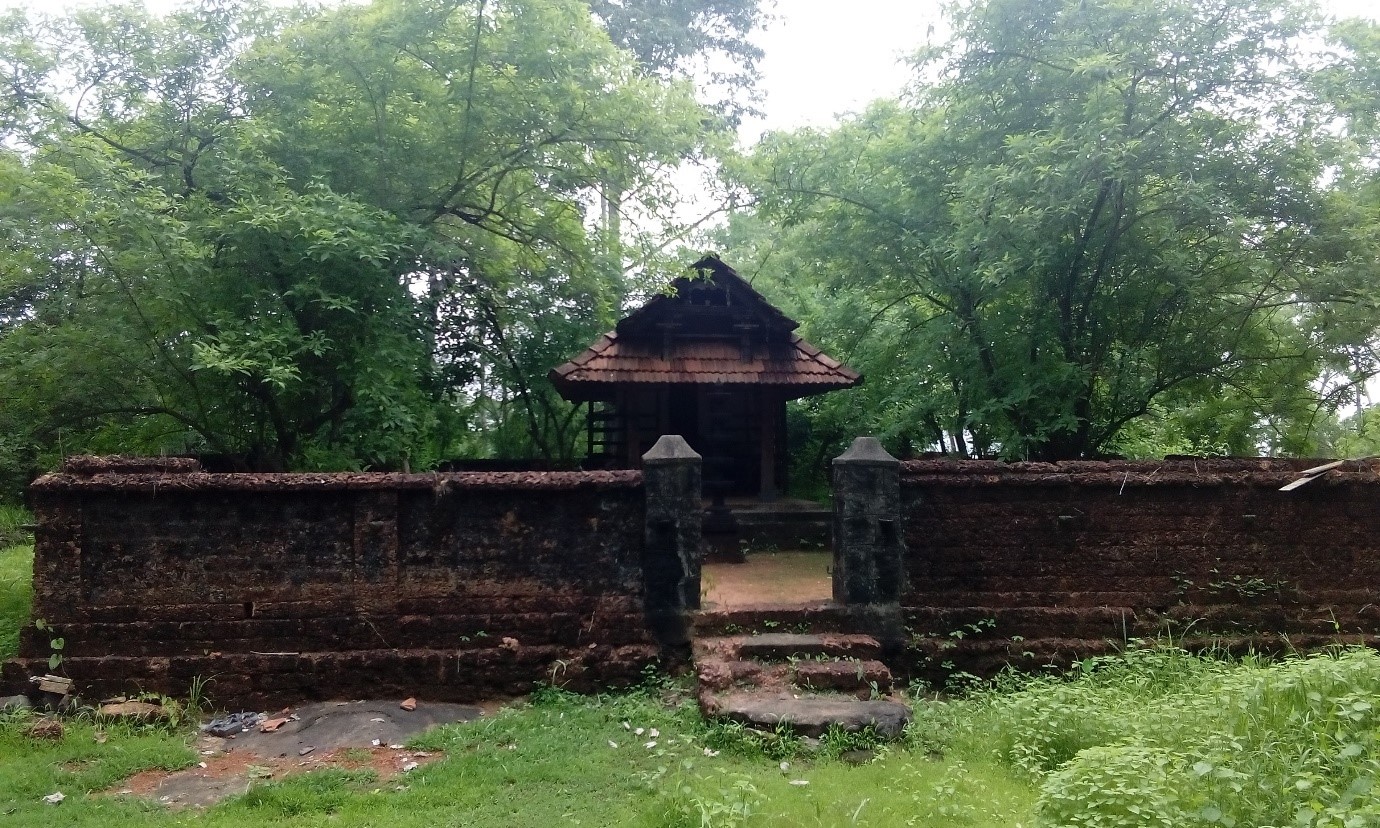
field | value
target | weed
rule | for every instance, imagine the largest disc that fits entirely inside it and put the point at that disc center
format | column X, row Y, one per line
column 1247, row 588
column 16, row 596
column 835, row 742
column 56, row 643
column 732, row 800
column 1159, row 736
column 14, row 527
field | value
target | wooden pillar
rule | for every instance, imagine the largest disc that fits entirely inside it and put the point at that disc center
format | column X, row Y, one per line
column 767, row 404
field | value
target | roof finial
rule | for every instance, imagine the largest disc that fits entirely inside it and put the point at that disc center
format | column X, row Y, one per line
column 710, row 261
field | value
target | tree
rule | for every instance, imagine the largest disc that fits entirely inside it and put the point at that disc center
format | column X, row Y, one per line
column 689, row 38
column 1095, row 208
column 312, row 238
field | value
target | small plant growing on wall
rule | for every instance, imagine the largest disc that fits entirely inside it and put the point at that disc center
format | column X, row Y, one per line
column 55, row 643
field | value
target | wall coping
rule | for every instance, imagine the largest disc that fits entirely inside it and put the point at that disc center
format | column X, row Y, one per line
column 1177, row 471
column 437, row 483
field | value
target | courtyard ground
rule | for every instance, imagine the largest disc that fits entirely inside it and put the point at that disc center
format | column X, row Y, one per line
column 768, row 577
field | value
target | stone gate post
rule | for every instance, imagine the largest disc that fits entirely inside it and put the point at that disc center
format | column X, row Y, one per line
column 671, row 550
column 869, row 545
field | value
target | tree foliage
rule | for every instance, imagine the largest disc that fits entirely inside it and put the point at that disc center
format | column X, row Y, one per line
column 1092, row 216
column 306, row 237
column 708, row 39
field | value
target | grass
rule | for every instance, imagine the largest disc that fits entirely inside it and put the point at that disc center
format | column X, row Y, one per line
column 1164, row 737
column 13, row 523
column 16, row 595
column 565, row 760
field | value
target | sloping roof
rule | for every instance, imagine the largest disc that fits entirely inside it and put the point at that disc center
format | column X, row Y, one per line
column 743, row 302
column 795, row 366
column 714, row 330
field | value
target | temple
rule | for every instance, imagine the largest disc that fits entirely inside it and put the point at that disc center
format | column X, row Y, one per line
column 712, row 361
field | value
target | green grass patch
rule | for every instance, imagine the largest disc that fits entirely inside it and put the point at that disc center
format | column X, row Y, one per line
column 566, row 760
column 1164, row 737
column 78, row 766
column 16, row 595
column 1153, row 737
column 14, row 521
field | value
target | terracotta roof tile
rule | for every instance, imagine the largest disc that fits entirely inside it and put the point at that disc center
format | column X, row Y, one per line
column 796, row 365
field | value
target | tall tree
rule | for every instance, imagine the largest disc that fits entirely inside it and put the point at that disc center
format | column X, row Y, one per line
column 707, row 42
column 311, row 237
column 1096, row 207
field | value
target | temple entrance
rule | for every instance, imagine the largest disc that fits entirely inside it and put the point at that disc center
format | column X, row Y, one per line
column 775, row 577
column 779, row 555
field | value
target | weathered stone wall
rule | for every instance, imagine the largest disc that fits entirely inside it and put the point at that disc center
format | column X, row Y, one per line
column 450, row 586
column 1033, row 563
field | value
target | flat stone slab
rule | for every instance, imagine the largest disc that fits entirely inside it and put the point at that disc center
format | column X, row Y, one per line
column 721, row 675
column 781, row 646
column 847, row 676
column 813, row 716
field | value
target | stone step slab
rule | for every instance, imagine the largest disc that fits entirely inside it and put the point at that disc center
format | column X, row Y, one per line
column 812, row 716
column 783, row 646
column 822, row 616
column 844, row 676
column 715, row 675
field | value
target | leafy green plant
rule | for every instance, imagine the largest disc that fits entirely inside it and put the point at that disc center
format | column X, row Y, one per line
column 56, row 643
column 732, row 800
column 1247, row 588
column 1116, row 786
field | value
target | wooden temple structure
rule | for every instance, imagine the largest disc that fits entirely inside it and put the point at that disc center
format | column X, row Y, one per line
column 712, row 361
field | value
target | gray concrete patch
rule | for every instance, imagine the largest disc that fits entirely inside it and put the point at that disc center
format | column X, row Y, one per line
column 326, row 726
column 198, row 789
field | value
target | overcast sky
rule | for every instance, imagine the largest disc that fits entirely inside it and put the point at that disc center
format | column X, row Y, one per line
column 826, row 57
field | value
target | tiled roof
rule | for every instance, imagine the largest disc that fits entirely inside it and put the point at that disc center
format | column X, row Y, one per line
column 795, row 365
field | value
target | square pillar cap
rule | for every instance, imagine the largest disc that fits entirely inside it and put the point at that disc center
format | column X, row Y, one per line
column 867, row 451
column 670, row 448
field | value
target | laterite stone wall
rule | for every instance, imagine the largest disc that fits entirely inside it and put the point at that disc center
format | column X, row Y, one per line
column 1036, row 563
column 290, row 586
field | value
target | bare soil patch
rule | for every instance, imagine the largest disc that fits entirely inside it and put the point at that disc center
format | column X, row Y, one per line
column 790, row 577
column 351, row 735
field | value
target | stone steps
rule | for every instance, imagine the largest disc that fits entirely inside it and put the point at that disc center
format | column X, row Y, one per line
column 786, row 646
column 821, row 616
column 806, row 683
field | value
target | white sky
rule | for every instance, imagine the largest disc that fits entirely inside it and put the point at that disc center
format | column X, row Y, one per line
column 827, row 57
